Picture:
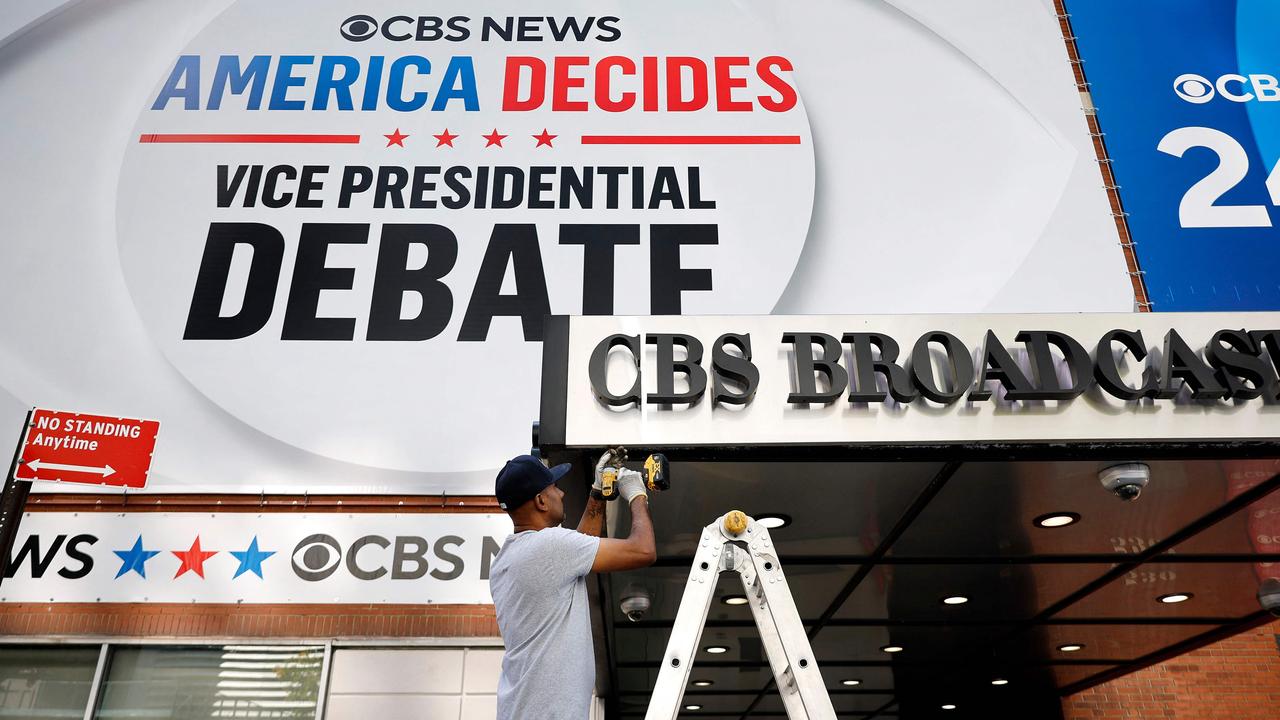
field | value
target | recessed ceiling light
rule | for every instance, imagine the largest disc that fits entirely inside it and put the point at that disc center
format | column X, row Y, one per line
column 692, row 707
column 773, row 521
column 851, row 682
column 999, row 681
column 716, row 649
column 734, row 599
column 892, row 648
column 948, row 706
column 1056, row 519
column 703, row 683
column 955, row 600
column 1071, row 647
column 1173, row 598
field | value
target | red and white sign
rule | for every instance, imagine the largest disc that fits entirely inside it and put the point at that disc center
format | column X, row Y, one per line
column 93, row 449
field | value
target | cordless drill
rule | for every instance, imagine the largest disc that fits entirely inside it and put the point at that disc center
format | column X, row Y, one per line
column 656, row 471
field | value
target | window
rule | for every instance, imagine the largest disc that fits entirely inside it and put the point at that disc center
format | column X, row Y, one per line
column 201, row 683
column 45, row 682
column 141, row 680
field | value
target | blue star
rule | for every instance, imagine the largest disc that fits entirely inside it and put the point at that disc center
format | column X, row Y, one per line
column 135, row 558
column 251, row 559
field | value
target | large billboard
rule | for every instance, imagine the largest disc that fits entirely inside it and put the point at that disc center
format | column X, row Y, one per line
column 1187, row 99
column 317, row 241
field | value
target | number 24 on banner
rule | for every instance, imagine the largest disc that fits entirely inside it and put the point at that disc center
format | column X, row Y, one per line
column 1197, row 209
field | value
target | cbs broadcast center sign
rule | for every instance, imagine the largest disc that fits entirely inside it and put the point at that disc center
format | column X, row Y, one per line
column 943, row 380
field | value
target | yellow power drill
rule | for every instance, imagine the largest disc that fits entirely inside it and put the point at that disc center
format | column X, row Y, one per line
column 656, row 471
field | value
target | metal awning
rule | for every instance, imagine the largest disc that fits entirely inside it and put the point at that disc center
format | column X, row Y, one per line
column 879, row 536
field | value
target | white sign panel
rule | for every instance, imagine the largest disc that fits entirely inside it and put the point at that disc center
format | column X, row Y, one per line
column 1199, row 376
column 251, row 558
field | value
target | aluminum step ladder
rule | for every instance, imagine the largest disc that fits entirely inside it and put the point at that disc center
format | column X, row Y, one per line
column 737, row 543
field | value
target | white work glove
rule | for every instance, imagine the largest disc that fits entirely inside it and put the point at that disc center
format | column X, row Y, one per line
column 598, row 485
column 631, row 485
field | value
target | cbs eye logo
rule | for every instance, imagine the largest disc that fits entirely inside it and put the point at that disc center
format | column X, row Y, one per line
column 316, row 557
column 358, row 27
column 1193, row 88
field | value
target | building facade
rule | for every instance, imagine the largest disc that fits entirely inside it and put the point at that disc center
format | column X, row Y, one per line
column 332, row 254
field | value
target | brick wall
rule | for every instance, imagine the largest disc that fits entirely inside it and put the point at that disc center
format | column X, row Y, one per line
column 163, row 620
column 1236, row 678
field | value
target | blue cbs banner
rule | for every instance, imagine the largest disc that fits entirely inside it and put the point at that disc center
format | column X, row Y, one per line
column 1188, row 98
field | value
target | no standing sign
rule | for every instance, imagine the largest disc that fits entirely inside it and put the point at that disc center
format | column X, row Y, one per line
column 93, row 449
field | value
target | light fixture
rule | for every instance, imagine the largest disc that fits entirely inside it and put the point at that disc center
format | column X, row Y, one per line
column 1056, row 519
column 716, row 649
column 773, row 521
column 1174, row 598
column 692, row 707
column 999, row 681
column 734, row 599
column 1071, row 647
column 948, row 706
column 955, row 600
column 851, row 682
column 703, row 683
column 892, row 648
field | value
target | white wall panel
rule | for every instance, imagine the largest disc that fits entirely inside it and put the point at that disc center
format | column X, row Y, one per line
column 414, row 683
column 414, row 672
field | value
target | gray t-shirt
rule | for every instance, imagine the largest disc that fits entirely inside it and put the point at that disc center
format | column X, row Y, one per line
column 539, row 587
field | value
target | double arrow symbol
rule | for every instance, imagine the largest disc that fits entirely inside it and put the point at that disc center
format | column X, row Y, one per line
column 105, row 471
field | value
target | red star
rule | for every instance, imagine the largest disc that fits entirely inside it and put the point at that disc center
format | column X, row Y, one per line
column 395, row 138
column 544, row 139
column 193, row 559
column 444, row 138
column 493, row 138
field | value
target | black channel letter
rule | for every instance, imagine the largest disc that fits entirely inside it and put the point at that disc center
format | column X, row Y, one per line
column 807, row 365
column 740, row 370
column 863, row 387
column 667, row 367
column 1235, row 357
column 1106, row 369
column 1181, row 362
column 598, row 370
column 1038, row 343
column 959, row 366
column 999, row 365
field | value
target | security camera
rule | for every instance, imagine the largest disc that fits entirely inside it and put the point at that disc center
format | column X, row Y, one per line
column 1125, row 481
column 635, row 603
column 1269, row 595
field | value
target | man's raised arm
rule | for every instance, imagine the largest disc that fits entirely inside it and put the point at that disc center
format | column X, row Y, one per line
column 592, row 522
column 638, row 549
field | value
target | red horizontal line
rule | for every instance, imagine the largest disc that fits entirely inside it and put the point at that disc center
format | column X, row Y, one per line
column 246, row 138
column 690, row 139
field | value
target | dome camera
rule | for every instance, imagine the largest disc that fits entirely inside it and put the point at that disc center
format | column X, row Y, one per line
column 1269, row 595
column 635, row 603
column 1125, row 481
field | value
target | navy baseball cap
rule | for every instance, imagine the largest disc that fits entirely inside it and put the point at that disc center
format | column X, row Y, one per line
column 522, row 478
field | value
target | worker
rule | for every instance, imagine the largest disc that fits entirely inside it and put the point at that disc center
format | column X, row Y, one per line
column 539, row 587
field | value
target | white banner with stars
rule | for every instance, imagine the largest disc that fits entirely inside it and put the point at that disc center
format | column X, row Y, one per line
column 254, row 558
